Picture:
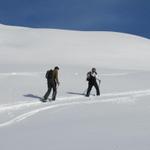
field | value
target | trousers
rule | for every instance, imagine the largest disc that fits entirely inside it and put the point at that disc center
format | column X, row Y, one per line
column 51, row 86
column 90, row 85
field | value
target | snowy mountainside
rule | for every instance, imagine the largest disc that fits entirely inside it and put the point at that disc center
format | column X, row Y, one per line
column 48, row 46
column 118, row 119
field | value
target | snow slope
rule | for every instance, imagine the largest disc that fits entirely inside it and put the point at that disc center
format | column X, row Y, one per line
column 117, row 120
column 104, row 49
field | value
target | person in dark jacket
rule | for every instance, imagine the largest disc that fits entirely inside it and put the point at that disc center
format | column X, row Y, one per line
column 92, row 78
column 52, row 83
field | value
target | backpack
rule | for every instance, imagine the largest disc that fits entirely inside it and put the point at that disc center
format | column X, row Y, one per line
column 49, row 74
column 88, row 76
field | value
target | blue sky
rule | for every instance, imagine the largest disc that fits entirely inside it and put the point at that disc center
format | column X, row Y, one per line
column 129, row 16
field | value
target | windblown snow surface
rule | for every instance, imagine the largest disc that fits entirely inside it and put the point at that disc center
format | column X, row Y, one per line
column 117, row 120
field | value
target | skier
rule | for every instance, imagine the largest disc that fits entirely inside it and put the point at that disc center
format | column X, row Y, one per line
column 52, row 83
column 92, row 78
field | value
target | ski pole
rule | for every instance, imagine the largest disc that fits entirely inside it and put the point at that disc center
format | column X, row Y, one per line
column 99, row 81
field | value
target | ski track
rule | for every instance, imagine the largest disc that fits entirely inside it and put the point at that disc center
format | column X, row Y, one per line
column 39, row 73
column 20, row 74
column 122, row 97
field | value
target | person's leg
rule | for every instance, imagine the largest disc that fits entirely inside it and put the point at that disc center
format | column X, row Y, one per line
column 54, row 91
column 89, row 89
column 48, row 91
column 97, row 88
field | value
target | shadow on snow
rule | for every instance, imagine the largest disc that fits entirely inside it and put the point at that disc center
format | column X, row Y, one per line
column 33, row 96
column 75, row 93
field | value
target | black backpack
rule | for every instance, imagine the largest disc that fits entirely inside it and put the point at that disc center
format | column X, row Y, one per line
column 88, row 78
column 49, row 74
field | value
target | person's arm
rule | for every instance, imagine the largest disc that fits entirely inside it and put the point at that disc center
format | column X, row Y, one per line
column 56, row 78
column 98, row 78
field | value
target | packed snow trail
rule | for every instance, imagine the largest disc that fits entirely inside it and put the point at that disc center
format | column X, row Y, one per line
column 122, row 97
column 22, row 105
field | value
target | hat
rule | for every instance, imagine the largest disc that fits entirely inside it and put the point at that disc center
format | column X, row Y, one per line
column 93, row 69
column 56, row 67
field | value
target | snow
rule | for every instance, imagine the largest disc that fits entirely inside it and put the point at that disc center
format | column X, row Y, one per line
column 107, row 49
column 118, row 119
